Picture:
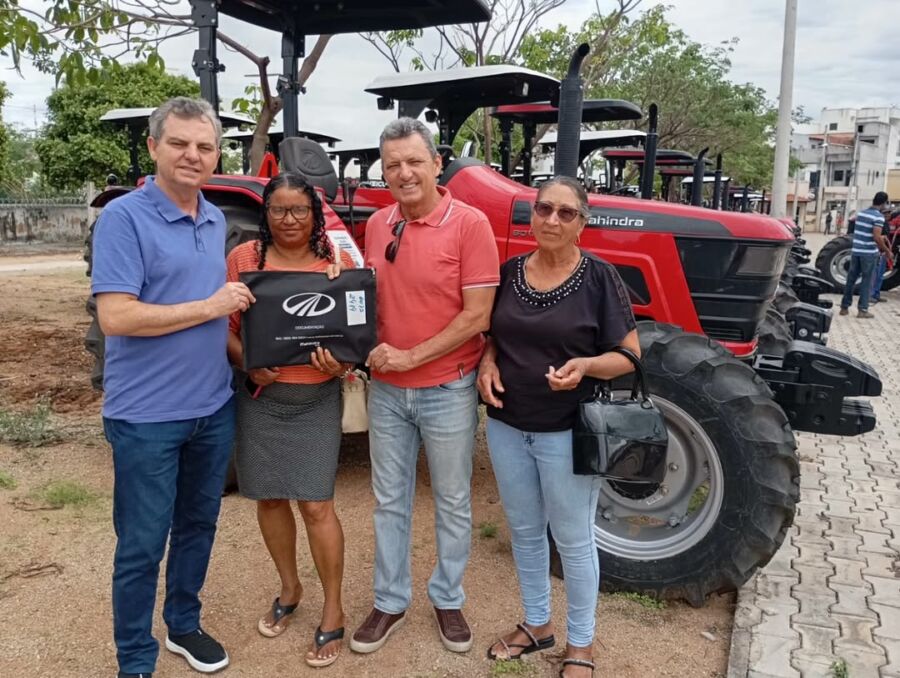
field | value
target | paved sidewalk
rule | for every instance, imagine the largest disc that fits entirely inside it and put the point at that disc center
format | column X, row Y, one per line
column 832, row 592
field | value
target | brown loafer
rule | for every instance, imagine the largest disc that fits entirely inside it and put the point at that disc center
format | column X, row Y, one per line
column 375, row 630
column 455, row 633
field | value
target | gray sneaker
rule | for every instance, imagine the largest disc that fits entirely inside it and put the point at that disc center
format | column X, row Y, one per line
column 865, row 314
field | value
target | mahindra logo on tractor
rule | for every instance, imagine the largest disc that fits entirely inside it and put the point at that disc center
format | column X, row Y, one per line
column 605, row 220
column 308, row 304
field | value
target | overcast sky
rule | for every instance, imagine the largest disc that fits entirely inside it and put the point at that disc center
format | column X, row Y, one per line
column 847, row 56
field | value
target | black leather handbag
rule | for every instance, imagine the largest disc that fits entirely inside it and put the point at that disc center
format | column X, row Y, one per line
column 623, row 440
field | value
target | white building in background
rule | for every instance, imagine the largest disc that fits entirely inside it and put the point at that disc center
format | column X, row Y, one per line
column 848, row 156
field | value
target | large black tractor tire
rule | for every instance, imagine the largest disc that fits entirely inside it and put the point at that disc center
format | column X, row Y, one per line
column 95, row 343
column 833, row 263
column 729, row 494
column 774, row 334
column 785, row 297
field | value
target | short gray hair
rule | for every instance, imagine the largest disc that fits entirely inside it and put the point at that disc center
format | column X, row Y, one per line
column 573, row 185
column 186, row 108
column 401, row 128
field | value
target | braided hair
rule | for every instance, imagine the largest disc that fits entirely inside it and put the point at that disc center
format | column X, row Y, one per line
column 319, row 242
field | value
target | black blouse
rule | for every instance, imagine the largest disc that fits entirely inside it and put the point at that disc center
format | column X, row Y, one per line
column 586, row 315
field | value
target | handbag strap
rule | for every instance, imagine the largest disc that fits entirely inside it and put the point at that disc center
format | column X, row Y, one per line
column 638, row 385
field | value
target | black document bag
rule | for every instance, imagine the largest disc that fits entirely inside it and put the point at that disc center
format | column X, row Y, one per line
column 296, row 312
column 625, row 440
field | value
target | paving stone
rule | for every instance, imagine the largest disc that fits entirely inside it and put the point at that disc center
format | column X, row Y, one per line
column 889, row 498
column 886, row 469
column 775, row 588
column 788, row 672
column 747, row 614
column 871, row 521
column 892, row 517
column 865, row 502
column 776, row 619
column 840, row 509
column 886, row 590
column 875, row 543
column 811, row 510
column 831, row 450
column 815, row 609
column 856, row 628
column 780, row 565
column 772, row 654
column 879, row 565
column 809, row 534
column 846, row 548
column 846, row 572
column 817, row 639
column 860, row 661
column 842, row 527
column 812, row 556
column 811, row 495
column 812, row 579
column 852, row 600
column 892, row 647
column 889, row 620
column 861, row 486
column 813, row 666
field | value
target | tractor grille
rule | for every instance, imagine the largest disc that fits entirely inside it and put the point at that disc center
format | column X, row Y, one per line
column 731, row 282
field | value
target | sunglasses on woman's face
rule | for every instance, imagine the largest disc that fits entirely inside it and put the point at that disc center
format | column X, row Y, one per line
column 297, row 211
column 390, row 252
column 545, row 209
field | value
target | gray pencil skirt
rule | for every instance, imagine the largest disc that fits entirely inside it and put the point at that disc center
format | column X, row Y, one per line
column 288, row 441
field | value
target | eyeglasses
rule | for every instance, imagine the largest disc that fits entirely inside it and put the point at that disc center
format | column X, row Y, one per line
column 390, row 252
column 545, row 209
column 297, row 211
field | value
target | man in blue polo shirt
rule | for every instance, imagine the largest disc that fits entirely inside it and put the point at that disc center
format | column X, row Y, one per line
column 867, row 244
column 168, row 412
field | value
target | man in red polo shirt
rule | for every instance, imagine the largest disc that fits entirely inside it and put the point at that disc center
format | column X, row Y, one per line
column 437, row 268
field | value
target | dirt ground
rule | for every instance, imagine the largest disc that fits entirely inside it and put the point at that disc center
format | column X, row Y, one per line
column 55, row 565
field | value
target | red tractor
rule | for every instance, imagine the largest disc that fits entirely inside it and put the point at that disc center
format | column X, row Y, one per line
column 700, row 280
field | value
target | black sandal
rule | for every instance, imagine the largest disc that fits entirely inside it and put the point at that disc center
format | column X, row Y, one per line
column 279, row 612
column 576, row 662
column 320, row 640
column 535, row 645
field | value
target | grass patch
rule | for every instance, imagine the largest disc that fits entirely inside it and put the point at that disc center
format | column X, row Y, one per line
column 839, row 669
column 487, row 530
column 7, row 482
column 32, row 428
column 511, row 667
column 65, row 493
column 698, row 498
column 642, row 600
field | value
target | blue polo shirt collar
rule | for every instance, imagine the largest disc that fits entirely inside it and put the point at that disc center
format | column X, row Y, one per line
column 169, row 210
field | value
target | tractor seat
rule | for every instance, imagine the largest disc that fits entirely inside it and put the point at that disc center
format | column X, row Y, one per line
column 308, row 158
column 455, row 166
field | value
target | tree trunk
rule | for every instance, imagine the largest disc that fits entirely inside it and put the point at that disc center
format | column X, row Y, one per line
column 272, row 105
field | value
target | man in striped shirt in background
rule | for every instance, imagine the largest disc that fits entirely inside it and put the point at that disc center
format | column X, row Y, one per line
column 867, row 242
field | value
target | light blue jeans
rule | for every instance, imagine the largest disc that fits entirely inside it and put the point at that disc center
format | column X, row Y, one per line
column 537, row 486
column 400, row 419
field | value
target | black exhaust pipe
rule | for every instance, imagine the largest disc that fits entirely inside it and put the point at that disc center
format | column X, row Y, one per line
column 699, row 174
column 717, row 184
column 649, row 167
column 571, row 100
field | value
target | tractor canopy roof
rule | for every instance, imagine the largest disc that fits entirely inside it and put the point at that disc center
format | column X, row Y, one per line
column 457, row 93
column 593, row 110
column 605, row 138
column 276, row 134
column 314, row 17
column 128, row 117
column 664, row 157
column 688, row 174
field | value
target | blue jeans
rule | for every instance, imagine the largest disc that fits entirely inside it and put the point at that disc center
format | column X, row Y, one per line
column 168, row 484
column 444, row 418
column 537, row 486
column 861, row 265
column 877, row 277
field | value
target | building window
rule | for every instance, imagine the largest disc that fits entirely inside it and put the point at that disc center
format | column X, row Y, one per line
column 832, row 126
column 860, row 128
column 838, row 176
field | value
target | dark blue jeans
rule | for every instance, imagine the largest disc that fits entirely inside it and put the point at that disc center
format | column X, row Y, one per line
column 878, row 277
column 861, row 265
column 168, row 484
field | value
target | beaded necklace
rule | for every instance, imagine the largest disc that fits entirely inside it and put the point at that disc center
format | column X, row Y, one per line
column 546, row 298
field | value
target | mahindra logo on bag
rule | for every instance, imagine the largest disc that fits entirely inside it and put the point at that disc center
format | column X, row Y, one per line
column 308, row 304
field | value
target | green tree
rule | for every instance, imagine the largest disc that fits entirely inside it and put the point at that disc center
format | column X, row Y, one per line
column 75, row 146
column 5, row 165
column 649, row 60
column 80, row 40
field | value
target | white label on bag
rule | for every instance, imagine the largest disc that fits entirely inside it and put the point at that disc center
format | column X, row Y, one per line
column 356, row 308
